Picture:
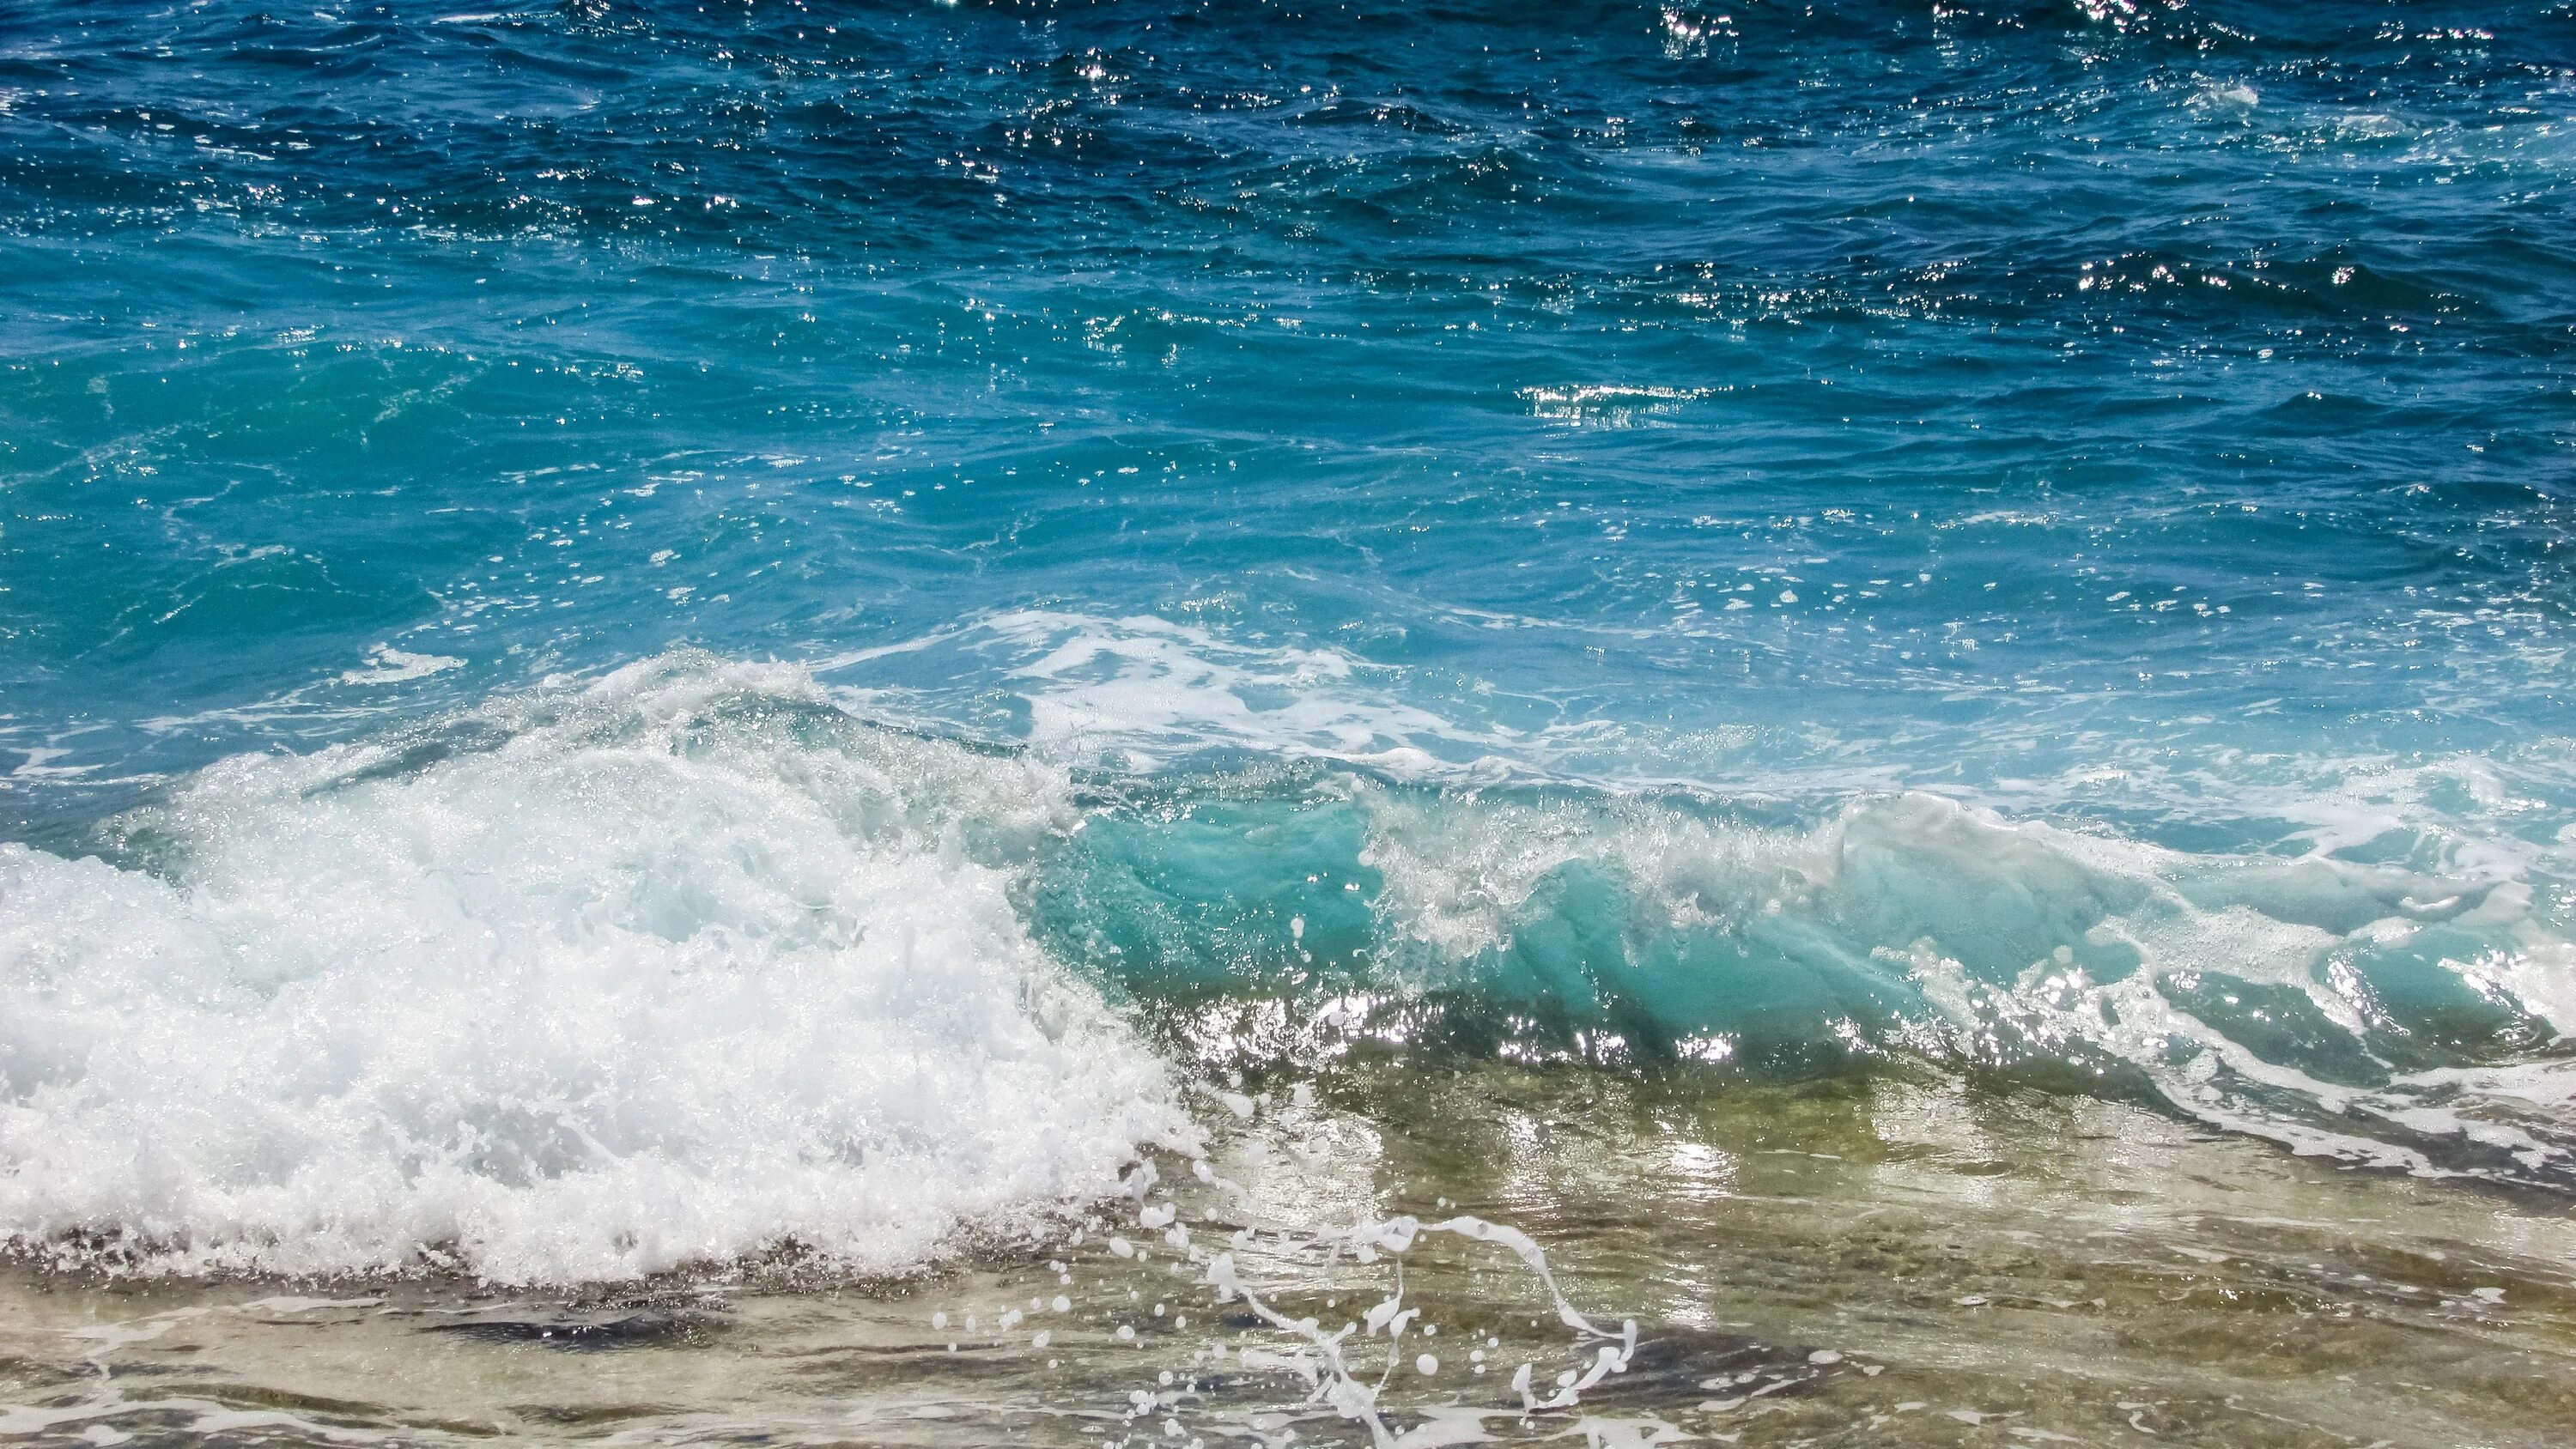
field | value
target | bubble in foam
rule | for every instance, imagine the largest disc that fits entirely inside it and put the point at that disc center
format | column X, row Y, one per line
column 593, row 982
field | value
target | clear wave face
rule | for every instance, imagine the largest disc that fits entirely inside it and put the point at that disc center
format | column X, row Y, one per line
column 2402, row 1015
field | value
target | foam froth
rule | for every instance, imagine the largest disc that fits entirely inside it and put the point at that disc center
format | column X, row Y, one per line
column 590, row 983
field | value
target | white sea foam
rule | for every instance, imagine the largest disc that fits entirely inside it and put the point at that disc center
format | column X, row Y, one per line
column 388, row 665
column 1147, row 693
column 1144, row 693
column 1142, row 690
column 597, row 981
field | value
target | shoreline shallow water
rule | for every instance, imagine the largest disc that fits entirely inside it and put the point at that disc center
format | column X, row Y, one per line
column 1894, row 1260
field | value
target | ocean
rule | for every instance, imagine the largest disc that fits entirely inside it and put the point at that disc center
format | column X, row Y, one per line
column 1233, row 723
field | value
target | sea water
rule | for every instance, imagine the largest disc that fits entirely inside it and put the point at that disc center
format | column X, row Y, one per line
column 1255, row 724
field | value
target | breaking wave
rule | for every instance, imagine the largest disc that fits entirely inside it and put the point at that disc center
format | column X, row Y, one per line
column 690, row 963
column 684, row 965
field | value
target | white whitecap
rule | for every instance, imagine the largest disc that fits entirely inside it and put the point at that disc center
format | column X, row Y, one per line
column 388, row 665
column 596, row 982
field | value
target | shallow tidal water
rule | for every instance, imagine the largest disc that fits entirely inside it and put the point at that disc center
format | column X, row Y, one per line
column 1904, row 1261
column 1834, row 724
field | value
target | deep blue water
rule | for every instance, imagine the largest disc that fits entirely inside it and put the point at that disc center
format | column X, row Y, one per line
column 1664, row 524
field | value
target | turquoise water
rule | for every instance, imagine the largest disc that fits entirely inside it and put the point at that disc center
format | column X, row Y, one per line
column 1493, row 355
column 635, row 636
